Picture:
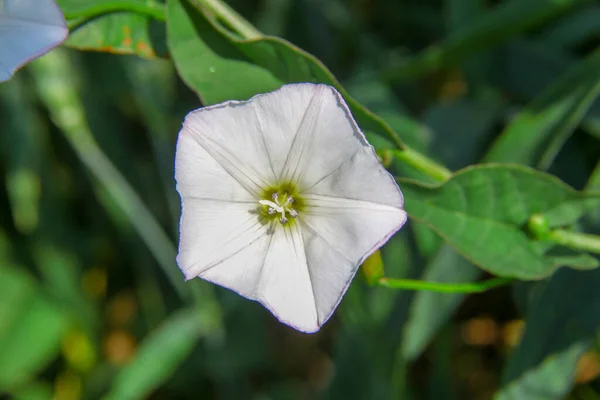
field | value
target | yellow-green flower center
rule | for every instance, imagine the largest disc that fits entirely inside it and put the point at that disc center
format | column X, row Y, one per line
column 280, row 203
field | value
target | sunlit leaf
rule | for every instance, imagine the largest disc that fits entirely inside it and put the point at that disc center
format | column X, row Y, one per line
column 122, row 26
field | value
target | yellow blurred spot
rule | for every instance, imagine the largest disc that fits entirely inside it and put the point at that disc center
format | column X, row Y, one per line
column 372, row 268
column 119, row 347
column 385, row 157
column 127, row 41
column 78, row 350
column 121, row 309
column 588, row 367
column 67, row 386
column 481, row 331
column 512, row 332
column 144, row 49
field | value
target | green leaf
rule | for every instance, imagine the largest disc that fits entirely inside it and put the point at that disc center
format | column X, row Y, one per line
column 159, row 356
column 430, row 310
column 207, row 62
column 481, row 210
column 219, row 66
column 538, row 132
column 505, row 21
column 581, row 261
column 570, row 212
column 34, row 391
column 543, row 365
column 25, row 348
column 116, row 26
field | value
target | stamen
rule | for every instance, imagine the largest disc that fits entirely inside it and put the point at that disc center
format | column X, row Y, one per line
column 275, row 206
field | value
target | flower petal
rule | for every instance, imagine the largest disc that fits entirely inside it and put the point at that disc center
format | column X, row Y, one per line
column 355, row 228
column 212, row 231
column 28, row 29
column 339, row 234
column 200, row 176
column 242, row 271
column 285, row 287
column 331, row 273
column 230, row 133
column 310, row 131
column 362, row 177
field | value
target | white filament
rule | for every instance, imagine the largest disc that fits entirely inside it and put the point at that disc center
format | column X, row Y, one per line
column 276, row 206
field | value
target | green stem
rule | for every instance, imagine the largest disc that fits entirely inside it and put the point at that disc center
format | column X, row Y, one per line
column 471, row 287
column 576, row 240
column 53, row 75
column 150, row 9
column 234, row 20
column 422, row 163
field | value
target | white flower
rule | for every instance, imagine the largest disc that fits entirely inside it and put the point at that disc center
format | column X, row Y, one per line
column 283, row 198
column 28, row 29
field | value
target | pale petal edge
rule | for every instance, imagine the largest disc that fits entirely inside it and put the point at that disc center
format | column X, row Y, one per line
column 263, row 302
column 376, row 247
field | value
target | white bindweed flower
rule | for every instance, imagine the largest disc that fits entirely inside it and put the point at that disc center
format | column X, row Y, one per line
column 282, row 199
column 28, row 29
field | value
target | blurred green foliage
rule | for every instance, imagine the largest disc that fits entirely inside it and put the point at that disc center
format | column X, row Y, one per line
column 92, row 304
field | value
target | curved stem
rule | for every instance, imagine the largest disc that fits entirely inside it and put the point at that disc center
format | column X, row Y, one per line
column 54, row 82
column 576, row 240
column 422, row 163
column 234, row 20
column 471, row 287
